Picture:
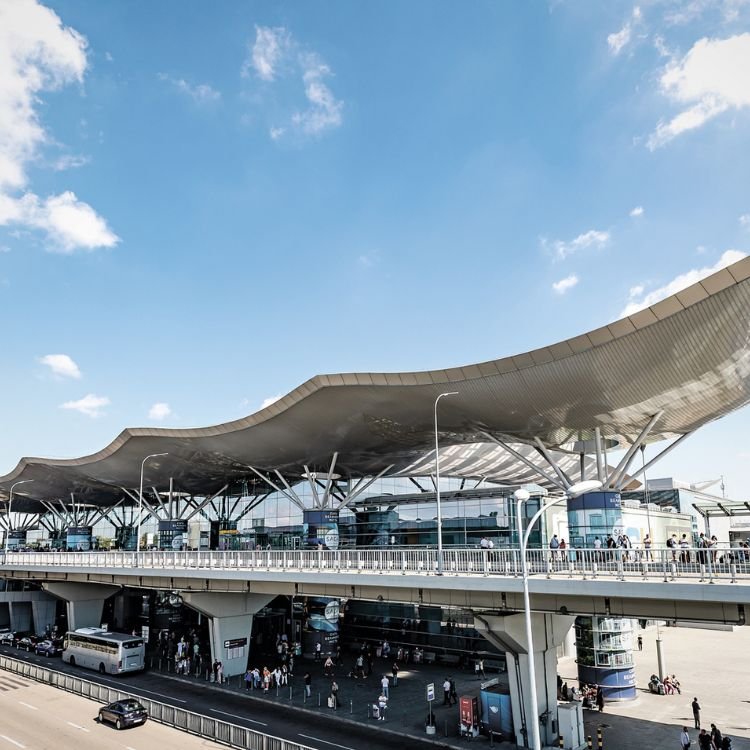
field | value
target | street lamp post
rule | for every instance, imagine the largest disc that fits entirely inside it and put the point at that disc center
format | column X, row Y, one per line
column 522, row 497
column 437, row 487
column 10, row 503
column 140, row 502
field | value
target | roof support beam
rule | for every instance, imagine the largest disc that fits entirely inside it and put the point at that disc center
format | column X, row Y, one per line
column 252, row 505
column 600, row 463
column 615, row 478
column 207, row 500
column 659, row 456
column 291, row 495
column 520, row 457
column 356, row 492
column 563, row 477
column 313, row 487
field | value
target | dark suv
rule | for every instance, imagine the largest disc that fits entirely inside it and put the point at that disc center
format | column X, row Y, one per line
column 125, row 713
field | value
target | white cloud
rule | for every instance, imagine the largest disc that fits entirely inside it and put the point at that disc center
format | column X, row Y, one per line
column 637, row 211
column 61, row 365
column 37, row 54
column 565, row 284
column 159, row 411
column 90, row 405
column 688, row 11
column 592, row 238
column 620, row 39
column 200, row 93
column 677, row 284
column 636, row 291
column 276, row 55
column 70, row 161
column 270, row 400
column 713, row 77
column 269, row 50
column 324, row 110
column 745, row 221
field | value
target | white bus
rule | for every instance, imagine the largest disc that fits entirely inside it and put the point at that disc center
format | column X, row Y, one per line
column 109, row 653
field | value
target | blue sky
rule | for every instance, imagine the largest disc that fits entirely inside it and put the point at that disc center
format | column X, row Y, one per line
column 204, row 204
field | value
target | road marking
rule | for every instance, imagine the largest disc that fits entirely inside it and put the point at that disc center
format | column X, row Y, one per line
column 326, row 742
column 28, row 705
column 12, row 742
column 143, row 690
column 77, row 726
column 237, row 716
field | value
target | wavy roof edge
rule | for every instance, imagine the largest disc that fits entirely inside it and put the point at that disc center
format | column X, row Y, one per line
column 623, row 327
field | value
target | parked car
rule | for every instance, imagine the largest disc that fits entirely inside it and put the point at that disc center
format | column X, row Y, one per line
column 7, row 638
column 125, row 713
column 27, row 642
column 49, row 648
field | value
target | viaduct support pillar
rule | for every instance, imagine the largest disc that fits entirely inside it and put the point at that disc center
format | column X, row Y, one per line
column 84, row 601
column 508, row 633
column 231, row 624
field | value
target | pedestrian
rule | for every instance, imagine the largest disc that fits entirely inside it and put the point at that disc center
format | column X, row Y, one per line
column 382, row 705
column 248, row 679
column 384, row 684
column 696, row 712
column 335, row 693
column 446, row 692
column 453, row 693
column 640, row 643
column 600, row 699
column 394, row 672
column 476, row 669
column 328, row 667
column 715, row 737
column 481, row 669
column 318, row 650
column 308, row 684
column 685, row 739
column 704, row 740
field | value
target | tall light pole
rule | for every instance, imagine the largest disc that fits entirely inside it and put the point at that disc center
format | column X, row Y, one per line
column 437, row 487
column 10, row 503
column 522, row 497
column 140, row 501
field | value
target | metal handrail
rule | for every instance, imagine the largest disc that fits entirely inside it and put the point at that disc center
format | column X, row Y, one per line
column 206, row 727
column 716, row 563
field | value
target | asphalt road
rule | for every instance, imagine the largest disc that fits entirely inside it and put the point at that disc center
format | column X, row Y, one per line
column 40, row 717
column 286, row 722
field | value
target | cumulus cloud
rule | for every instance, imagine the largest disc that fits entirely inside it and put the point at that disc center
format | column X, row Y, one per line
column 200, row 93
column 745, row 221
column 618, row 40
column 713, row 77
column 677, row 284
column 565, row 284
column 61, row 365
column 159, row 411
column 637, row 211
column 37, row 54
column 90, row 405
column 276, row 55
column 70, row 161
column 593, row 238
column 270, row 400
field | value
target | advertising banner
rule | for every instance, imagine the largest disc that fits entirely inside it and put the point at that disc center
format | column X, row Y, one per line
column 321, row 527
column 78, row 538
column 16, row 539
column 173, row 534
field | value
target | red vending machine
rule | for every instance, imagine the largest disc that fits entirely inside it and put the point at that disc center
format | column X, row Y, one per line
column 469, row 716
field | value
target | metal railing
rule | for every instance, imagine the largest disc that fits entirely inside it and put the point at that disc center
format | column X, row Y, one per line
column 206, row 727
column 718, row 563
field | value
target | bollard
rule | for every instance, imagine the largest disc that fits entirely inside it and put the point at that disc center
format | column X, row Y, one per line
column 351, row 706
column 589, row 742
column 673, row 571
column 703, row 572
column 318, row 700
column 290, row 693
column 733, row 572
column 570, row 568
column 599, row 738
column 560, row 741
column 549, row 570
column 446, row 727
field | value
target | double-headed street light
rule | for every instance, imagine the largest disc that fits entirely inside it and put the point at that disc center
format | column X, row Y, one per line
column 140, row 500
column 437, row 487
column 522, row 496
column 10, row 503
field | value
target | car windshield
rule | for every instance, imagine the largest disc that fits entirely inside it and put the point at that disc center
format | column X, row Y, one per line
column 131, row 705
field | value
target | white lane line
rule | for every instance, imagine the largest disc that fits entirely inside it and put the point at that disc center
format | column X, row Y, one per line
column 237, row 716
column 127, row 747
column 12, row 742
column 143, row 690
column 326, row 742
column 77, row 726
column 28, row 705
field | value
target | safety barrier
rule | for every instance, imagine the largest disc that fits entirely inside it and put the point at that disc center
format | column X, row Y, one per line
column 205, row 727
column 665, row 564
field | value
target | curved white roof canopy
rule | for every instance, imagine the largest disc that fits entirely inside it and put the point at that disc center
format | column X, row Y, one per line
column 687, row 356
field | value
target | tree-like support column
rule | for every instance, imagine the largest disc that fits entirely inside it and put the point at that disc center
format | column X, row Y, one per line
column 231, row 624
column 84, row 601
column 508, row 633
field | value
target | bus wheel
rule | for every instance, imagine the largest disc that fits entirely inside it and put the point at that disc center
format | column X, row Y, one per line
column 72, row 661
column 102, row 670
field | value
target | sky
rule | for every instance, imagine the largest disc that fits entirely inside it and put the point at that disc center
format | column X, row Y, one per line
column 202, row 204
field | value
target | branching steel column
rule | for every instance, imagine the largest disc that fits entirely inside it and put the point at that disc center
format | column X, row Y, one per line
column 316, row 497
column 520, row 457
column 542, row 448
column 293, row 497
column 599, row 458
column 356, row 492
column 622, row 467
column 206, row 501
column 659, row 456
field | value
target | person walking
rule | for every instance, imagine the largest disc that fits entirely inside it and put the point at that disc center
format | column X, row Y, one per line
column 384, row 684
column 318, row 651
column 704, row 740
column 685, row 739
column 696, row 712
column 308, row 684
column 600, row 699
column 453, row 692
column 335, row 693
column 446, row 692
column 716, row 737
column 394, row 672
column 382, row 705
column 640, row 643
